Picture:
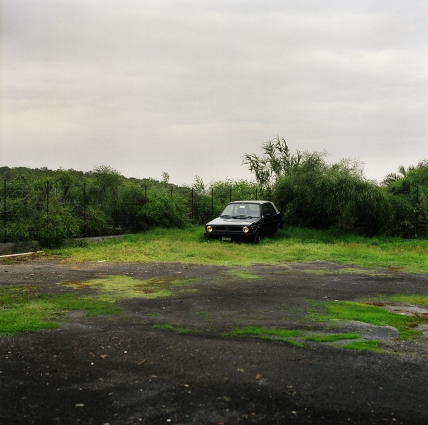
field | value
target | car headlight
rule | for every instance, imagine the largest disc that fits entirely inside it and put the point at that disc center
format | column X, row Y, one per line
column 245, row 229
column 209, row 229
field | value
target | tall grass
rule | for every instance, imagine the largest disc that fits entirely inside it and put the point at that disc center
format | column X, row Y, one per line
column 288, row 245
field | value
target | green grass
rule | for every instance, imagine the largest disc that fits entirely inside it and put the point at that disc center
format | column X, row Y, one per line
column 289, row 245
column 345, row 310
column 291, row 336
column 332, row 337
column 419, row 300
column 172, row 328
column 280, row 335
column 22, row 311
column 255, row 331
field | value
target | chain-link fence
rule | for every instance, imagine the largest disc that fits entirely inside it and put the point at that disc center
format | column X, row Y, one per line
column 50, row 212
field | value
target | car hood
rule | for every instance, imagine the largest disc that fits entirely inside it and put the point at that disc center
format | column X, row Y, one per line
column 232, row 221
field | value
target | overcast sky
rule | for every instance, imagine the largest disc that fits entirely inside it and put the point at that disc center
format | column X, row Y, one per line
column 189, row 87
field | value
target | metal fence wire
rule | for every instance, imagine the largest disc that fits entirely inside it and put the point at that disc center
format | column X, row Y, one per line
column 44, row 210
column 50, row 212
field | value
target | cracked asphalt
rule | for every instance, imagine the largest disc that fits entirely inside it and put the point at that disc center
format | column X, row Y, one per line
column 120, row 369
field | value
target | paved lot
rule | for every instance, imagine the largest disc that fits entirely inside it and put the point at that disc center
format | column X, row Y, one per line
column 121, row 369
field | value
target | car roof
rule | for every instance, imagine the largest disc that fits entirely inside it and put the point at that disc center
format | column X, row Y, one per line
column 249, row 202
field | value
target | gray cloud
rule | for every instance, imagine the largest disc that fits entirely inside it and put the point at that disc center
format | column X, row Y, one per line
column 189, row 87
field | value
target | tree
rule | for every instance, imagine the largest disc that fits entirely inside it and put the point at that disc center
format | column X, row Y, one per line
column 274, row 163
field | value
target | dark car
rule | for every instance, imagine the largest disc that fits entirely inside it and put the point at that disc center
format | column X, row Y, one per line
column 245, row 220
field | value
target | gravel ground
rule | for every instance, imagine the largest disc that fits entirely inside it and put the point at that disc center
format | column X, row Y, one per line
column 119, row 369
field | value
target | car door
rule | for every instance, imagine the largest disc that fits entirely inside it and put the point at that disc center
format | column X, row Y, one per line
column 268, row 219
column 277, row 219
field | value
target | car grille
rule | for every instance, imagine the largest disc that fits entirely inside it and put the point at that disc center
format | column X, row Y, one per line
column 227, row 228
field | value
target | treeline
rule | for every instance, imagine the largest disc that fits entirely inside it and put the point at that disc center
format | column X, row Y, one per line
column 53, row 205
column 313, row 193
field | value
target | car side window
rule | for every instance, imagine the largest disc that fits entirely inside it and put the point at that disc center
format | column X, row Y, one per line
column 266, row 211
column 271, row 209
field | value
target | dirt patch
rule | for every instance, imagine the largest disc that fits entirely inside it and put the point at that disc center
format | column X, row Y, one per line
column 138, row 367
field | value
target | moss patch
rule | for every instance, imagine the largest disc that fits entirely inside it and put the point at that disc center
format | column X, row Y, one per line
column 346, row 310
column 242, row 274
column 125, row 287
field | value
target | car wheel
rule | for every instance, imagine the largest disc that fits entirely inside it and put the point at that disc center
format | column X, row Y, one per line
column 256, row 238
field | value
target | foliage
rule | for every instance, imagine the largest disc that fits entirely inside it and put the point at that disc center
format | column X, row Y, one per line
column 311, row 192
column 51, row 206
column 274, row 163
column 162, row 211
column 409, row 193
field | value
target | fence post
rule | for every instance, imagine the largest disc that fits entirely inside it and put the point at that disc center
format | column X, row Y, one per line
column 47, row 206
column 256, row 194
column 171, row 190
column 193, row 218
column 230, row 195
column 85, row 230
column 417, row 211
column 4, row 211
column 145, row 193
column 212, row 204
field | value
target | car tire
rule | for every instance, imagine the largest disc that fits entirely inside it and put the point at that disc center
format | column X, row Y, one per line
column 256, row 238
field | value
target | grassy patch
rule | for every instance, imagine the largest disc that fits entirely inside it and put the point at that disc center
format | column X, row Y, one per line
column 332, row 337
column 348, row 270
column 172, row 328
column 289, row 245
column 363, row 346
column 281, row 335
column 242, row 274
column 23, row 311
column 371, row 314
column 419, row 300
column 28, row 317
column 292, row 336
column 126, row 287
column 255, row 331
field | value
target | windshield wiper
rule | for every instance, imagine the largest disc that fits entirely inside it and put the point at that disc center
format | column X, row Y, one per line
column 226, row 216
column 242, row 216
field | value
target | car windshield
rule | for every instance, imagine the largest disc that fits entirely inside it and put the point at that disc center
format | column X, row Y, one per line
column 241, row 211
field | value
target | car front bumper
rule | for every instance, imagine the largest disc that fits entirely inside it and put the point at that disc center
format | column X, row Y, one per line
column 224, row 235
